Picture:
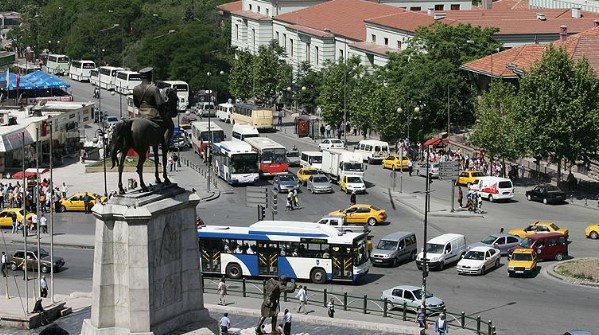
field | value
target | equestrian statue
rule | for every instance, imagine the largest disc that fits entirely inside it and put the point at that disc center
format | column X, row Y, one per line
column 153, row 128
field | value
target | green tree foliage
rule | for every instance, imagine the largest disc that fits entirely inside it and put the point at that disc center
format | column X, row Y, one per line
column 558, row 109
column 339, row 81
column 270, row 74
column 496, row 130
column 240, row 81
column 307, row 87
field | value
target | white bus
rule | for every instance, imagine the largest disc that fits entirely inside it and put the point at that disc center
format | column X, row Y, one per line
column 182, row 91
column 126, row 81
column 235, row 162
column 224, row 111
column 202, row 136
column 80, row 70
column 271, row 155
column 311, row 159
column 94, row 77
column 57, row 64
column 107, row 76
column 298, row 250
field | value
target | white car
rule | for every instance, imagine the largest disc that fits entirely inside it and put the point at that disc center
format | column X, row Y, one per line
column 331, row 143
column 110, row 121
column 479, row 260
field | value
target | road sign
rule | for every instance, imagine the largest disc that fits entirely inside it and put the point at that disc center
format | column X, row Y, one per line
column 449, row 170
column 255, row 196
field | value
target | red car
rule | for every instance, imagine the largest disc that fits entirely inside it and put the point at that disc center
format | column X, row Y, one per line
column 549, row 246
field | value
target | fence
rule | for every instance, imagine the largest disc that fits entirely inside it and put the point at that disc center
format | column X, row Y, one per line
column 364, row 304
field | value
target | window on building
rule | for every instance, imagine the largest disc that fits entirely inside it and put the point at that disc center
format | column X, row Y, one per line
column 399, row 45
column 455, row 7
column 439, row 7
column 291, row 47
column 285, row 41
column 307, row 56
column 277, row 36
column 254, row 39
column 340, row 53
column 386, row 41
column 415, row 9
column 250, row 6
column 237, row 32
column 258, row 9
column 317, row 55
column 267, row 12
column 373, row 38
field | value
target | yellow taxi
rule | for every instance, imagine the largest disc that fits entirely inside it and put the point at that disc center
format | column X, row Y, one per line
column 468, row 177
column 538, row 228
column 592, row 231
column 392, row 162
column 522, row 262
column 7, row 214
column 75, row 202
column 362, row 213
column 305, row 173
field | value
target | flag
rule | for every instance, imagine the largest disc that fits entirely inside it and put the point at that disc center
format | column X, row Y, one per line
column 18, row 79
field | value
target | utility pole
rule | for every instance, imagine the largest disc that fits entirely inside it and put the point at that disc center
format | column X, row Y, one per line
column 24, row 224
column 52, row 204
column 425, row 237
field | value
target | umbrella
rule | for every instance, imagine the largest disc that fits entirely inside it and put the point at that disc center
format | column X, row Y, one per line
column 435, row 141
column 29, row 173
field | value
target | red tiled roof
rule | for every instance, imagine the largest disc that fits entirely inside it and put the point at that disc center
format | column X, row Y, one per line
column 407, row 20
column 341, row 17
column 311, row 31
column 251, row 15
column 230, row 6
column 510, row 4
column 372, row 47
column 524, row 57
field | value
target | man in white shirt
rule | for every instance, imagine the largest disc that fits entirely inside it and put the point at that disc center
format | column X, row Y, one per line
column 224, row 324
column 43, row 287
column 4, row 260
column 64, row 189
column 34, row 221
column 44, row 224
column 302, row 295
column 287, row 322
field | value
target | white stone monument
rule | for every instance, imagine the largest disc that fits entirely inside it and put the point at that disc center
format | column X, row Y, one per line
column 146, row 265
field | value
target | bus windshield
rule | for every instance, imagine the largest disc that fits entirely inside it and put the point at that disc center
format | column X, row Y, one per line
column 181, row 87
column 244, row 163
column 273, row 156
column 217, row 135
column 89, row 65
column 62, row 59
column 134, row 77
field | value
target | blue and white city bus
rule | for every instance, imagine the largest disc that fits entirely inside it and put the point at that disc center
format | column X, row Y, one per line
column 298, row 250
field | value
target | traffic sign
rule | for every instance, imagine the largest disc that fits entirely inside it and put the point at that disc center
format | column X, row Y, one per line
column 449, row 170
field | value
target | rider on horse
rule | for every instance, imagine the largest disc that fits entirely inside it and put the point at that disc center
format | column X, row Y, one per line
column 147, row 97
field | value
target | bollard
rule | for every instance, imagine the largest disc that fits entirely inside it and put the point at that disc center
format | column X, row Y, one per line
column 324, row 300
column 243, row 287
column 285, row 296
column 494, row 331
column 463, row 320
column 345, row 301
column 403, row 313
column 385, row 308
column 478, row 324
column 490, row 330
column 365, row 304
column 586, row 201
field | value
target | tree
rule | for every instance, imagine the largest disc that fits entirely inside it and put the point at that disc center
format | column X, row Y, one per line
column 559, row 110
column 307, row 86
column 338, row 81
column 270, row 74
column 496, row 129
column 240, row 81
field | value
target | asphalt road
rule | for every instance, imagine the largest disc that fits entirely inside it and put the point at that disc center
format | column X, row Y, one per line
column 516, row 305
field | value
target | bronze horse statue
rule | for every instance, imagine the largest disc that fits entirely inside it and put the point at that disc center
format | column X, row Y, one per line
column 140, row 134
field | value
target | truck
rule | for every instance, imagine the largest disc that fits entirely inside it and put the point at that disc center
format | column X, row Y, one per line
column 340, row 162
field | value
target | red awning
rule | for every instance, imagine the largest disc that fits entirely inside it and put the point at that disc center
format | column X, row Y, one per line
column 29, row 173
column 435, row 141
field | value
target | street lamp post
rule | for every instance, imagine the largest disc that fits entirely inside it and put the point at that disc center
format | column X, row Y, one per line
column 101, row 133
column 425, row 228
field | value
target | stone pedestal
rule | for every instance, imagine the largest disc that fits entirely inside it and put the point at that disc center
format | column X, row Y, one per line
column 146, row 265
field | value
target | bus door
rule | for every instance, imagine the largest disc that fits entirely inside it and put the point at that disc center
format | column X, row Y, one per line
column 343, row 262
column 210, row 250
column 268, row 255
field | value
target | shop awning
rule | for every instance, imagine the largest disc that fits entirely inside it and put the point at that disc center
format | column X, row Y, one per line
column 435, row 141
column 29, row 173
column 44, row 80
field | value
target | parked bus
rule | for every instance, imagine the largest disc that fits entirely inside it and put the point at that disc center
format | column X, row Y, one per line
column 258, row 117
column 80, row 70
column 224, row 112
column 182, row 91
column 271, row 155
column 126, row 81
column 57, row 64
column 107, row 77
column 235, row 162
column 298, row 250
column 202, row 136
column 132, row 111
column 94, row 77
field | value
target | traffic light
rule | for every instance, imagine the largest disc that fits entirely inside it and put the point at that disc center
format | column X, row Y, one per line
column 261, row 212
column 275, row 200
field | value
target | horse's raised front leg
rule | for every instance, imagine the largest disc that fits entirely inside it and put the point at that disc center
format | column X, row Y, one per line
column 156, row 162
column 140, row 169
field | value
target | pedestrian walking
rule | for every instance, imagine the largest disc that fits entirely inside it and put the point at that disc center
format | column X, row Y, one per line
column 328, row 130
column 175, row 160
column 460, row 196
column 331, row 308
column 64, row 189
column 225, row 324
column 322, row 130
column 420, row 316
column 170, row 163
column 86, row 203
column 42, row 202
column 352, row 198
column 287, row 317
column 15, row 224
column 43, row 287
column 4, row 260
column 289, row 201
column 222, row 291
column 34, row 222
column 410, row 167
column 295, row 199
column 302, row 295
column 44, row 224
column 441, row 326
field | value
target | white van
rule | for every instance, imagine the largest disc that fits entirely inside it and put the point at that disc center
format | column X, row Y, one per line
column 206, row 109
column 372, row 151
column 224, row 111
column 494, row 188
column 243, row 131
column 311, row 159
column 443, row 250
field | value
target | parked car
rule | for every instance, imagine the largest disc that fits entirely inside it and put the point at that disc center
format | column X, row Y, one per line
column 15, row 261
column 350, row 183
column 522, row 262
column 331, row 143
column 75, row 202
column 394, row 248
column 362, row 213
column 538, row 227
column 443, row 250
column 479, row 260
column 503, row 242
column 433, row 169
column 293, row 158
column 547, row 194
column 592, row 231
column 319, row 183
column 110, row 121
column 412, row 296
column 285, row 183
column 548, row 246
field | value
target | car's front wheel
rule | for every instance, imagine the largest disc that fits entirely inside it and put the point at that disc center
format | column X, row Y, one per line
column 62, row 209
column 14, row 267
column 594, row 235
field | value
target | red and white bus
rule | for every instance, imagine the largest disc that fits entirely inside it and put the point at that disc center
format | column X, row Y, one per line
column 202, row 136
column 271, row 155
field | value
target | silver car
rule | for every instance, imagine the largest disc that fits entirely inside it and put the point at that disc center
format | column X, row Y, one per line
column 412, row 296
column 319, row 183
column 503, row 242
column 293, row 158
column 433, row 169
column 286, row 183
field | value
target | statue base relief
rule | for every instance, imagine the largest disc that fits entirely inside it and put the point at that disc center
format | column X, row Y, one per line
column 146, row 276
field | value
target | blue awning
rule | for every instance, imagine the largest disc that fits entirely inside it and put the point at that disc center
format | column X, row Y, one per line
column 37, row 80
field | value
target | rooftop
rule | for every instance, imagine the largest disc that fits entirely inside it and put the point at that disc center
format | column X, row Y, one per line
column 251, row 15
column 230, row 7
column 372, row 47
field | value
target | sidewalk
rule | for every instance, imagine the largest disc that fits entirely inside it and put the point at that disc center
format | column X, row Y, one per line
column 437, row 208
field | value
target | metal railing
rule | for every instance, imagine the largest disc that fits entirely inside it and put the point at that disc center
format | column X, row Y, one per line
column 363, row 304
column 202, row 169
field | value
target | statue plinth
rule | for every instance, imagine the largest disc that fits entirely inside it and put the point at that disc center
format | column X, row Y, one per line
column 146, row 266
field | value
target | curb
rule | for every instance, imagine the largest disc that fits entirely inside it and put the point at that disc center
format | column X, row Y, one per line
column 578, row 282
column 419, row 211
column 60, row 245
column 324, row 321
column 213, row 195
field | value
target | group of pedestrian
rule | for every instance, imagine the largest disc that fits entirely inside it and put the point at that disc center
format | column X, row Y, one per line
column 292, row 200
column 172, row 162
column 441, row 325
